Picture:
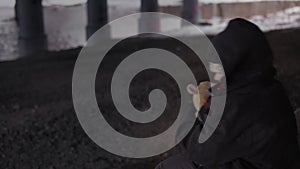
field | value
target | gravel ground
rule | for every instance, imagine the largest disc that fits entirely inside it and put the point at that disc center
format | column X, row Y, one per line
column 39, row 128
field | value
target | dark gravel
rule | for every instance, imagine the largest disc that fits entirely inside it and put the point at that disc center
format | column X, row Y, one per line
column 38, row 125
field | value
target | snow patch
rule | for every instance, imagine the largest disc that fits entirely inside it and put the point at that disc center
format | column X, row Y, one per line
column 286, row 19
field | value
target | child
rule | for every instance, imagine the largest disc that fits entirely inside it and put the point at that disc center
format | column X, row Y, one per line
column 258, row 128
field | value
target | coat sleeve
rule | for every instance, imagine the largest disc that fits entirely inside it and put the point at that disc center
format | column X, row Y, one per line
column 233, row 138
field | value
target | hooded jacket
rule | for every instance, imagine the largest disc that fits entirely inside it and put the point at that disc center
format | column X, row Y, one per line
column 258, row 128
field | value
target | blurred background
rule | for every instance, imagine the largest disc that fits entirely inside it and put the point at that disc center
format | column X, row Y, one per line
column 65, row 21
column 40, row 41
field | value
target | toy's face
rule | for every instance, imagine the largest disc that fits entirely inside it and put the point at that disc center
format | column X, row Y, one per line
column 200, row 93
column 193, row 90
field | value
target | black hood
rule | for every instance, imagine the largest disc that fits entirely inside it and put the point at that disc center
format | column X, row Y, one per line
column 245, row 53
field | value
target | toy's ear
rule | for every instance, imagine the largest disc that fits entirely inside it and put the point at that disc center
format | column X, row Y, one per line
column 192, row 89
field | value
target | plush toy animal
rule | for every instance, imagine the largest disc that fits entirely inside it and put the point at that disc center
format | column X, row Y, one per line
column 200, row 94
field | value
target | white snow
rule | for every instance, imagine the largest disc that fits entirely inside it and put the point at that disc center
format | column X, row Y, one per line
column 289, row 18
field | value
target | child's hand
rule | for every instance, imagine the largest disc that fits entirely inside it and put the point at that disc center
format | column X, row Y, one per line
column 200, row 94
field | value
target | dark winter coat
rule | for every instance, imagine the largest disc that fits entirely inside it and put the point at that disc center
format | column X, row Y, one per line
column 258, row 127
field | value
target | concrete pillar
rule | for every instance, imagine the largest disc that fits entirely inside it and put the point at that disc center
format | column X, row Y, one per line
column 97, row 16
column 190, row 10
column 32, row 38
column 16, row 12
column 217, row 10
column 151, row 23
column 149, row 6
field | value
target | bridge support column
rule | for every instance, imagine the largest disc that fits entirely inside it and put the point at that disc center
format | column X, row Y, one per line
column 32, row 37
column 16, row 11
column 151, row 23
column 190, row 10
column 97, row 16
